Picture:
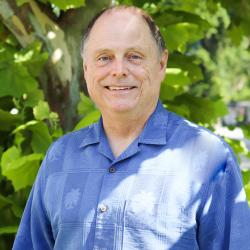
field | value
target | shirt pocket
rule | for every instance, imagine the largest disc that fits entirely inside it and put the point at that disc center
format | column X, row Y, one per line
column 156, row 226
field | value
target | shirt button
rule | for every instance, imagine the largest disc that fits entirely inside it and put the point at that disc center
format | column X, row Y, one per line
column 112, row 170
column 103, row 208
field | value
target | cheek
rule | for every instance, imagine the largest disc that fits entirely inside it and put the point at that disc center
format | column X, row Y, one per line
column 99, row 74
column 141, row 73
column 93, row 76
column 155, row 74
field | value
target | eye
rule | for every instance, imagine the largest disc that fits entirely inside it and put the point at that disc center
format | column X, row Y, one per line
column 103, row 59
column 135, row 58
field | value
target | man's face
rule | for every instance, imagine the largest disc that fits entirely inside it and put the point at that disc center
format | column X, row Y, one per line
column 122, row 66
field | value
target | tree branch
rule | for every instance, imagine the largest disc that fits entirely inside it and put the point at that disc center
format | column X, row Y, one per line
column 12, row 21
column 54, row 38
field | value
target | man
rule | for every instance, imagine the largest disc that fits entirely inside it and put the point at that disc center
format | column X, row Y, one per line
column 142, row 177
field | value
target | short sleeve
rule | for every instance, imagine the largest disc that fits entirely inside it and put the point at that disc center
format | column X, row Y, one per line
column 225, row 219
column 35, row 231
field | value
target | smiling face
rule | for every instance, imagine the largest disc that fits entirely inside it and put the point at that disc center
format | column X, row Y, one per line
column 122, row 65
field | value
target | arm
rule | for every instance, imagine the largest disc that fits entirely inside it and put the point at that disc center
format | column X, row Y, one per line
column 35, row 231
column 225, row 220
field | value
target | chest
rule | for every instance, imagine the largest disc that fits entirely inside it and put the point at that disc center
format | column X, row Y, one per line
column 123, row 206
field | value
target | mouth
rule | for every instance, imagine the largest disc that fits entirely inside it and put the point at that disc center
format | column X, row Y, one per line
column 115, row 88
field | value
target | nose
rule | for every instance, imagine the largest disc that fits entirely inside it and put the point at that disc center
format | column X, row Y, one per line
column 119, row 68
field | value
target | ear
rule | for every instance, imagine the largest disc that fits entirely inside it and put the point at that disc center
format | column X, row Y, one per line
column 163, row 64
column 84, row 66
column 164, row 60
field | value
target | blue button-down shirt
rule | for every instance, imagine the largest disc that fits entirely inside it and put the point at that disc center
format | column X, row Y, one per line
column 177, row 186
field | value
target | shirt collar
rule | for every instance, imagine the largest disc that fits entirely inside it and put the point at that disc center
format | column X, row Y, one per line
column 92, row 134
column 154, row 131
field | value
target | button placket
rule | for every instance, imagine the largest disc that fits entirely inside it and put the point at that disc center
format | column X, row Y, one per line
column 103, row 208
column 106, row 217
column 112, row 169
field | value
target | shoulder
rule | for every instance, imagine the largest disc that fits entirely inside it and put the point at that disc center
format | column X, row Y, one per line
column 68, row 146
column 76, row 138
column 206, row 154
column 191, row 133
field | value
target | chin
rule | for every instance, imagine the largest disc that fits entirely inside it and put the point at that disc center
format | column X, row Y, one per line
column 121, row 107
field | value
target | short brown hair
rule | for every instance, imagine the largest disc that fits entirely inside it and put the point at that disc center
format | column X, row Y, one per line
column 154, row 29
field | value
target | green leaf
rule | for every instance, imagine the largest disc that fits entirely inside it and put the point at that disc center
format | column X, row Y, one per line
column 41, row 138
column 1, row 30
column 182, row 110
column 8, row 121
column 246, row 130
column 238, row 146
column 17, row 72
column 18, row 140
column 5, row 201
column 236, row 34
column 41, row 111
column 32, row 58
column 53, row 116
column 167, row 18
column 15, row 80
column 88, row 119
column 65, row 5
column 57, row 133
column 178, row 36
column 10, row 155
column 21, row 2
column 17, row 210
column 25, row 126
column 175, row 76
column 6, row 54
column 246, row 176
column 85, row 105
column 245, row 27
column 170, row 17
column 246, row 180
column 1, row 152
column 175, row 84
column 201, row 110
column 32, row 97
column 187, row 5
column 21, row 170
column 8, row 229
column 205, row 110
column 6, row 103
column 188, row 64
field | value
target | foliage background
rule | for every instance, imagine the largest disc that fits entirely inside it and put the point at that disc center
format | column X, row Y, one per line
column 42, row 91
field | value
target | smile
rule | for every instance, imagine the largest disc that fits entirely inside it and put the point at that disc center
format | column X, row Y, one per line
column 119, row 88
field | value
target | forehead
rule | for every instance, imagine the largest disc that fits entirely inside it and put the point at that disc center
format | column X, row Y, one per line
column 120, row 28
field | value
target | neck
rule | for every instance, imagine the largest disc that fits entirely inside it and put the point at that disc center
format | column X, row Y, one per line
column 122, row 129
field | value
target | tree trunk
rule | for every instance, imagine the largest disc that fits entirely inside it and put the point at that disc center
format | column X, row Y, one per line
column 62, row 77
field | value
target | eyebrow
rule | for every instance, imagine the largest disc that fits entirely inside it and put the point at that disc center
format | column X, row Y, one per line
column 136, row 48
column 103, row 50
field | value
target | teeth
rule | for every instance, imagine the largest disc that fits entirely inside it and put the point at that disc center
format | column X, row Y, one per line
column 119, row 88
